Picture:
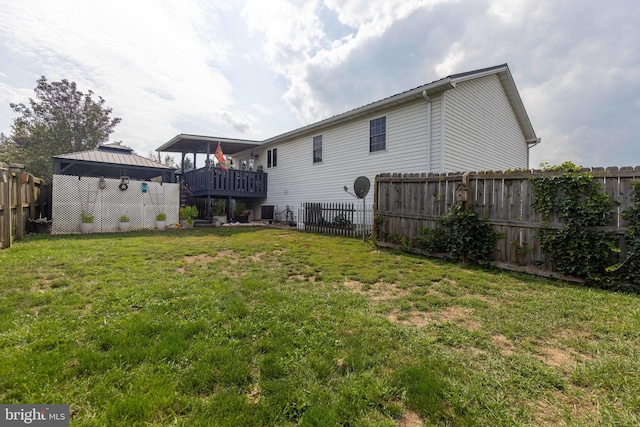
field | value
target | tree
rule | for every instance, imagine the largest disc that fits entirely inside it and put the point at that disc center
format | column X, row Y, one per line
column 188, row 164
column 168, row 160
column 60, row 119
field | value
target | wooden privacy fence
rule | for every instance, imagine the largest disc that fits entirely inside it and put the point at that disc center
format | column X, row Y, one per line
column 22, row 197
column 344, row 219
column 404, row 204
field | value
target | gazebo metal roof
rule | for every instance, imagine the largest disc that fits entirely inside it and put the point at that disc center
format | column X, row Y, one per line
column 111, row 160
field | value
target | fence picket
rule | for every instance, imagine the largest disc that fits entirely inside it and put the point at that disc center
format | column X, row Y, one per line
column 409, row 203
column 343, row 219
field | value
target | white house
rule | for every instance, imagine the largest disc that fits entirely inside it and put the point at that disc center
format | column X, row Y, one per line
column 469, row 121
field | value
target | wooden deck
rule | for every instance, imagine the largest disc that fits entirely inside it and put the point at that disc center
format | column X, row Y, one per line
column 218, row 183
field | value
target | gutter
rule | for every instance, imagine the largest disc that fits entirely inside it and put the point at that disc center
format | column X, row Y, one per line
column 533, row 142
column 412, row 94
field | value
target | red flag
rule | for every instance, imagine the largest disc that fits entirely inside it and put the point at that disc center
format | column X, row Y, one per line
column 220, row 157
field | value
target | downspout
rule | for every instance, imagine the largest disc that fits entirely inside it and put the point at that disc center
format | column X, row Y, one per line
column 530, row 144
column 443, row 118
column 426, row 98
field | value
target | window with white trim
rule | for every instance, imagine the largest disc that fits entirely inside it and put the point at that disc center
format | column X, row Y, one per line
column 378, row 134
column 272, row 158
column 317, row 149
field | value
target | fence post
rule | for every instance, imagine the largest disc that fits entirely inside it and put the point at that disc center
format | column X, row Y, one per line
column 5, row 230
column 463, row 195
column 7, row 210
column 20, row 225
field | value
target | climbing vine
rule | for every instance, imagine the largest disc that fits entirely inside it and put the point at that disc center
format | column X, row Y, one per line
column 629, row 269
column 466, row 236
column 578, row 248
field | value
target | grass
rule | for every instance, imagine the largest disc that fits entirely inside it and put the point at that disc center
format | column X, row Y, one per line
column 252, row 326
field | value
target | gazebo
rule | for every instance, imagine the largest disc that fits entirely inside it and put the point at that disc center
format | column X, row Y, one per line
column 112, row 160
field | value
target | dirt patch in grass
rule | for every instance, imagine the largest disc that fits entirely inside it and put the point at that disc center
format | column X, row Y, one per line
column 228, row 256
column 504, row 344
column 301, row 278
column 417, row 319
column 458, row 315
column 554, row 354
column 445, row 281
column 584, row 409
column 198, row 259
column 253, row 396
column 379, row 291
column 556, row 357
column 257, row 257
column 487, row 299
column 410, row 419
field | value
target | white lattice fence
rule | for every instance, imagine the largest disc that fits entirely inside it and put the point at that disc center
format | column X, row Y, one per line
column 73, row 194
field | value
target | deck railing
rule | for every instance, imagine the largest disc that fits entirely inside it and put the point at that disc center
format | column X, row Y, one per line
column 230, row 183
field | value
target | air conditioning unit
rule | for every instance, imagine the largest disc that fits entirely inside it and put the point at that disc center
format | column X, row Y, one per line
column 268, row 213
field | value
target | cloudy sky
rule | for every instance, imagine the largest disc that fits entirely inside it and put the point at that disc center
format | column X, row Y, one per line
column 256, row 68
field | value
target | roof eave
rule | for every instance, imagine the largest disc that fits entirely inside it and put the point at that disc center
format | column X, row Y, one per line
column 417, row 93
column 203, row 138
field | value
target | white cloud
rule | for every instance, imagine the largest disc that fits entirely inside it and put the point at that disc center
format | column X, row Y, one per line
column 512, row 12
column 295, row 40
column 452, row 62
column 260, row 68
column 124, row 48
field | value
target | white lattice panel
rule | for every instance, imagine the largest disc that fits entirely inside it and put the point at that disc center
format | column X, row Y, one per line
column 72, row 194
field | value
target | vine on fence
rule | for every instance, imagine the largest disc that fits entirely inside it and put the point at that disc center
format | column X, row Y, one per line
column 466, row 236
column 576, row 249
column 629, row 269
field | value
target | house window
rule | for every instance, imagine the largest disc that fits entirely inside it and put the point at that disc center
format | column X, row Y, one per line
column 272, row 158
column 378, row 134
column 317, row 149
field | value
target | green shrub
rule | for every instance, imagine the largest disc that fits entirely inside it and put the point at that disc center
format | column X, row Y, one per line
column 469, row 236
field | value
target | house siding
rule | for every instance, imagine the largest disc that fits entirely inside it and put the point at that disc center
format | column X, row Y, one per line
column 481, row 130
column 470, row 127
column 345, row 156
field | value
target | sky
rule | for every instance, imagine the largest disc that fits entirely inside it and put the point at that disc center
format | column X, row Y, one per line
column 253, row 69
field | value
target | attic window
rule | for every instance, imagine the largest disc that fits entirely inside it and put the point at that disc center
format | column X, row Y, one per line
column 378, row 134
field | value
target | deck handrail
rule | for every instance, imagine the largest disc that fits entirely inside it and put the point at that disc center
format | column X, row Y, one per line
column 232, row 182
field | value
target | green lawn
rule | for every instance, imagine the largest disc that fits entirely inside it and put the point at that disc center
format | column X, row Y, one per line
column 254, row 326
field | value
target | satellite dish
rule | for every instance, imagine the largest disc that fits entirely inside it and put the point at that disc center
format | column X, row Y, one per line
column 361, row 187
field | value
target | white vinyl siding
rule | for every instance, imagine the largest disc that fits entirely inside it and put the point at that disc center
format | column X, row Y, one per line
column 345, row 156
column 471, row 127
column 481, row 129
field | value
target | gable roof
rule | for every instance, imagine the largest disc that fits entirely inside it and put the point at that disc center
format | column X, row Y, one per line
column 196, row 143
column 432, row 88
